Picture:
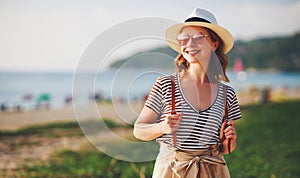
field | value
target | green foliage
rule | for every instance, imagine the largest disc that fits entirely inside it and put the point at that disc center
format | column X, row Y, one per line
column 281, row 53
column 156, row 58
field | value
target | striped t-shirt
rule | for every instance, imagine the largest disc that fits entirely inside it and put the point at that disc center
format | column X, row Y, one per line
column 198, row 129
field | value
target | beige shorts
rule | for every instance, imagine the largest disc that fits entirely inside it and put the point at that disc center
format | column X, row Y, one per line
column 170, row 161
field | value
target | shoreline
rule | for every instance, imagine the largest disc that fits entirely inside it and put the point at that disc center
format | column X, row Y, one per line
column 120, row 112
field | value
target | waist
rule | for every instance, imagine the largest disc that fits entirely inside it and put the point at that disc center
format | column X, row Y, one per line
column 188, row 144
column 210, row 155
column 183, row 146
column 212, row 150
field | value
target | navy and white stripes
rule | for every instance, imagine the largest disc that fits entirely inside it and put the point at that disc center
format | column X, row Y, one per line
column 198, row 129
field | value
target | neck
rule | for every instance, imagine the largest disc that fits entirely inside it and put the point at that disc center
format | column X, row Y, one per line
column 198, row 73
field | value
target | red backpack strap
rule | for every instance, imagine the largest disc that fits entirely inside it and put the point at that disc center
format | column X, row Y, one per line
column 225, row 102
column 225, row 118
column 173, row 95
column 173, row 105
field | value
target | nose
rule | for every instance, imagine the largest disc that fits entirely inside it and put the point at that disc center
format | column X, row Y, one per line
column 191, row 42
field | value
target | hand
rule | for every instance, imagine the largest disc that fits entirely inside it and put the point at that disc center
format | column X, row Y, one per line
column 171, row 123
column 228, row 130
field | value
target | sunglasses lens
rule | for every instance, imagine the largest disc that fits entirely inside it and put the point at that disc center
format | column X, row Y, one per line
column 183, row 42
column 198, row 39
column 183, row 39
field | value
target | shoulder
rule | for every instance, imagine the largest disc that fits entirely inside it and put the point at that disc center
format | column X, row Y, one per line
column 165, row 79
column 229, row 89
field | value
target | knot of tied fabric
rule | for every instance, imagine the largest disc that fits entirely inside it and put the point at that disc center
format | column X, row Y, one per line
column 192, row 165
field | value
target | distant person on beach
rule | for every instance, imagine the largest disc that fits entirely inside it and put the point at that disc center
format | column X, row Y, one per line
column 191, row 114
column 3, row 107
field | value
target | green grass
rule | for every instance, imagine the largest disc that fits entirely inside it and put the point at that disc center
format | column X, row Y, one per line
column 268, row 147
column 87, row 164
column 268, row 141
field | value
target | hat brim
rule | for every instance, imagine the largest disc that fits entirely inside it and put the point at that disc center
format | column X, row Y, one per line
column 173, row 31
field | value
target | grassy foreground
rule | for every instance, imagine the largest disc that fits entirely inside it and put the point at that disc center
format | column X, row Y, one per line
column 268, row 147
column 268, row 142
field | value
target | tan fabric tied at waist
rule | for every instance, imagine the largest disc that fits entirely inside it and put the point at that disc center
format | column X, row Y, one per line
column 206, row 163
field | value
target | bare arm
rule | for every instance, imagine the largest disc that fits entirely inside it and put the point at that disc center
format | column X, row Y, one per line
column 230, row 133
column 146, row 126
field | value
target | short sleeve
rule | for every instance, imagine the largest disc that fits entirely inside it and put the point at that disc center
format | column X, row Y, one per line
column 234, row 111
column 155, row 98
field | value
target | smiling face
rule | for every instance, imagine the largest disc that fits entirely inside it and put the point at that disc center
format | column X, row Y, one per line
column 196, row 44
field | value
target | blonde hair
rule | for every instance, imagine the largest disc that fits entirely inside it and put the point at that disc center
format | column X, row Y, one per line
column 215, row 72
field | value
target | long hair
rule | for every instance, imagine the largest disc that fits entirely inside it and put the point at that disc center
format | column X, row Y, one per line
column 214, row 70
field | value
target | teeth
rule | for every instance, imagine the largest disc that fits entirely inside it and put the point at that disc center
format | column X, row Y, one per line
column 192, row 52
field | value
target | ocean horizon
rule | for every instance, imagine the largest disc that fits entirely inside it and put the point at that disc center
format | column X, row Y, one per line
column 26, row 89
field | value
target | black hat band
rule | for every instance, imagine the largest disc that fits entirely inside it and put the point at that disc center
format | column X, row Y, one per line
column 196, row 19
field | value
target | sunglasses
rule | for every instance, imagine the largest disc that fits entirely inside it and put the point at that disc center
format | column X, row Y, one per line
column 198, row 38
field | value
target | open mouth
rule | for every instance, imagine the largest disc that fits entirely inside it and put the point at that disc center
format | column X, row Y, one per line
column 192, row 52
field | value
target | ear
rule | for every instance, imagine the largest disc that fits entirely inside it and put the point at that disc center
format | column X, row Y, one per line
column 215, row 45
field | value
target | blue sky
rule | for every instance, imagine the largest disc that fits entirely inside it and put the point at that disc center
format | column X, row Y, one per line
column 44, row 35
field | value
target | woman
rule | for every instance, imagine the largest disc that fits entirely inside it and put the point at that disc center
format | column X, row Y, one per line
column 194, row 137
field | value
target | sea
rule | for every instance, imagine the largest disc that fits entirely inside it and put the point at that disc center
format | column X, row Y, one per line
column 29, row 90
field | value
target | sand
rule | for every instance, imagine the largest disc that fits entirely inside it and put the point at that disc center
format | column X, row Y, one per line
column 119, row 112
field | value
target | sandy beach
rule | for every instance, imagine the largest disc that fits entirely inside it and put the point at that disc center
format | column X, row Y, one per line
column 119, row 112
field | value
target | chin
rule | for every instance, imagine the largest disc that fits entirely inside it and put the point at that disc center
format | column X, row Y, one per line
column 192, row 60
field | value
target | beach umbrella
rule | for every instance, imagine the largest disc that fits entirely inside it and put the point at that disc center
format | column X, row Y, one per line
column 44, row 97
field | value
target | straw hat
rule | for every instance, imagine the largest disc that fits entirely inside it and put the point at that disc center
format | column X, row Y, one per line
column 202, row 18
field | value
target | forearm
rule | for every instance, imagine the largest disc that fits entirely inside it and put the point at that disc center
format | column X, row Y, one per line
column 147, row 128
column 147, row 132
